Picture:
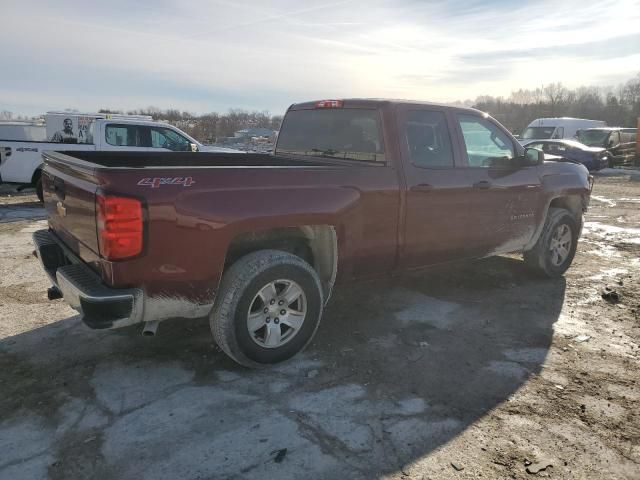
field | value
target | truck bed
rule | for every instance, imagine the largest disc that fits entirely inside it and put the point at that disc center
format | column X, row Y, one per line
column 186, row 159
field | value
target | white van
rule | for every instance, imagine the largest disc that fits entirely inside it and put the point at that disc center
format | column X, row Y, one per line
column 556, row 128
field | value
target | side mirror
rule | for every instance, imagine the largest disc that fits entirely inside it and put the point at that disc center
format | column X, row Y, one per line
column 194, row 147
column 533, row 156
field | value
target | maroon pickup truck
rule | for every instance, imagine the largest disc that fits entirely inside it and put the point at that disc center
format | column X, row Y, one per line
column 355, row 188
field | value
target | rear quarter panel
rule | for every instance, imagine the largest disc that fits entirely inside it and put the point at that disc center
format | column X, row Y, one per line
column 190, row 228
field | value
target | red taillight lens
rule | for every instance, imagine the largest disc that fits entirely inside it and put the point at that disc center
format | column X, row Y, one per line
column 120, row 226
column 329, row 104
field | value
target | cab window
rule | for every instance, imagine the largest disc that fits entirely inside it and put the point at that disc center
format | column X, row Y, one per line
column 121, row 135
column 486, row 145
column 169, row 139
column 428, row 139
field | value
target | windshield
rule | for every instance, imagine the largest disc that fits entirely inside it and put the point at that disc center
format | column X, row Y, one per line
column 344, row 133
column 593, row 137
column 531, row 133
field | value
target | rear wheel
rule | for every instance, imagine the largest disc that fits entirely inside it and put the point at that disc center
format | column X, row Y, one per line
column 554, row 251
column 268, row 308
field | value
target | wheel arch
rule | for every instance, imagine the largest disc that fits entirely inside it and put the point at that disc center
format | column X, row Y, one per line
column 572, row 203
column 37, row 173
column 316, row 244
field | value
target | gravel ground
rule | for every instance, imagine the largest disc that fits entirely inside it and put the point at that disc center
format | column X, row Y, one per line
column 475, row 370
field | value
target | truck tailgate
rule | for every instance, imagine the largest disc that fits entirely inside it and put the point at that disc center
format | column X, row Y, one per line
column 69, row 198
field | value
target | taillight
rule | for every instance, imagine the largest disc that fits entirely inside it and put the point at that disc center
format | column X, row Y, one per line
column 120, row 226
column 329, row 104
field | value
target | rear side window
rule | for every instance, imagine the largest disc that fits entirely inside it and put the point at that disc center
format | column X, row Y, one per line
column 121, row 135
column 428, row 139
column 343, row 133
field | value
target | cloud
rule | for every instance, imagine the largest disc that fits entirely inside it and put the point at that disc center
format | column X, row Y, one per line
column 204, row 55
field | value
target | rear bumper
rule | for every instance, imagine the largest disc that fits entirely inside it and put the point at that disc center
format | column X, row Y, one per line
column 99, row 305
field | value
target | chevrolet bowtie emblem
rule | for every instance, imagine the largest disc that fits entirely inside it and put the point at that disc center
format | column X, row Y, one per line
column 62, row 211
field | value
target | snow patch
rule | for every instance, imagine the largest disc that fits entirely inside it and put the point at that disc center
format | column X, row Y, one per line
column 612, row 232
column 611, row 272
column 607, row 201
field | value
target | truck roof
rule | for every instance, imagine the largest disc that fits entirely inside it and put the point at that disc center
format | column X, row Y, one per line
column 611, row 129
column 109, row 116
column 377, row 102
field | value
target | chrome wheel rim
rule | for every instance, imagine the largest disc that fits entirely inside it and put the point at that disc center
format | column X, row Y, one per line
column 276, row 313
column 560, row 244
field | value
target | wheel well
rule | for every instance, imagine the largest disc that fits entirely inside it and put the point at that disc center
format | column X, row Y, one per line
column 36, row 175
column 573, row 203
column 316, row 244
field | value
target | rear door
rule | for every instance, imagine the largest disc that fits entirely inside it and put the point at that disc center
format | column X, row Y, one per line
column 437, row 200
column 504, row 201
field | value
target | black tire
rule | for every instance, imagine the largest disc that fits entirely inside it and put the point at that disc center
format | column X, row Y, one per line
column 239, row 286
column 39, row 192
column 539, row 258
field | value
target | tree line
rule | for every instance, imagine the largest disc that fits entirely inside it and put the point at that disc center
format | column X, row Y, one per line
column 619, row 106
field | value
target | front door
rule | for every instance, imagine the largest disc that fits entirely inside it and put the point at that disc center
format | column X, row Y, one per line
column 505, row 197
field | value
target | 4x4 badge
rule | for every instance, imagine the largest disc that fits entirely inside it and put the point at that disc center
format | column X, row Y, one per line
column 158, row 181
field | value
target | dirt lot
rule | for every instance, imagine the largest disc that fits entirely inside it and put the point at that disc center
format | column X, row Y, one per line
column 477, row 370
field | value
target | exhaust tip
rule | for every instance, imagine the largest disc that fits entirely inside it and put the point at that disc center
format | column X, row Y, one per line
column 150, row 329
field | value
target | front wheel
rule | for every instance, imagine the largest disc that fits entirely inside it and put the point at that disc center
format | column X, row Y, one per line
column 554, row 251
column 268, row 308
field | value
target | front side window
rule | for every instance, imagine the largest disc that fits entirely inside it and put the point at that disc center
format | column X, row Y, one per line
column 614, row 139
column 559, row 133
column 169, row 139
column 486, row 144
column 121, row 135
column 342, row 133
column 428, row 140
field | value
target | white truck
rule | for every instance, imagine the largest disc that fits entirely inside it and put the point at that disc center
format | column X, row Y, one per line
column 21, row 160
column 556, row 128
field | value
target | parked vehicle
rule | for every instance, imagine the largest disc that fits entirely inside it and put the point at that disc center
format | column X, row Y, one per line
column 355, row 188
column 23, row 131
column 21, row 160
column 619, row 142
column 594, row 158
column 556, row 128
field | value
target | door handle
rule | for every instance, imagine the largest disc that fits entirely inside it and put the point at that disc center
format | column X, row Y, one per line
column 483, row 185
column 422, row 187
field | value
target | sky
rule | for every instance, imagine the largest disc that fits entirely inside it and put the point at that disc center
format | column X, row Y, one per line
column 212, row 55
